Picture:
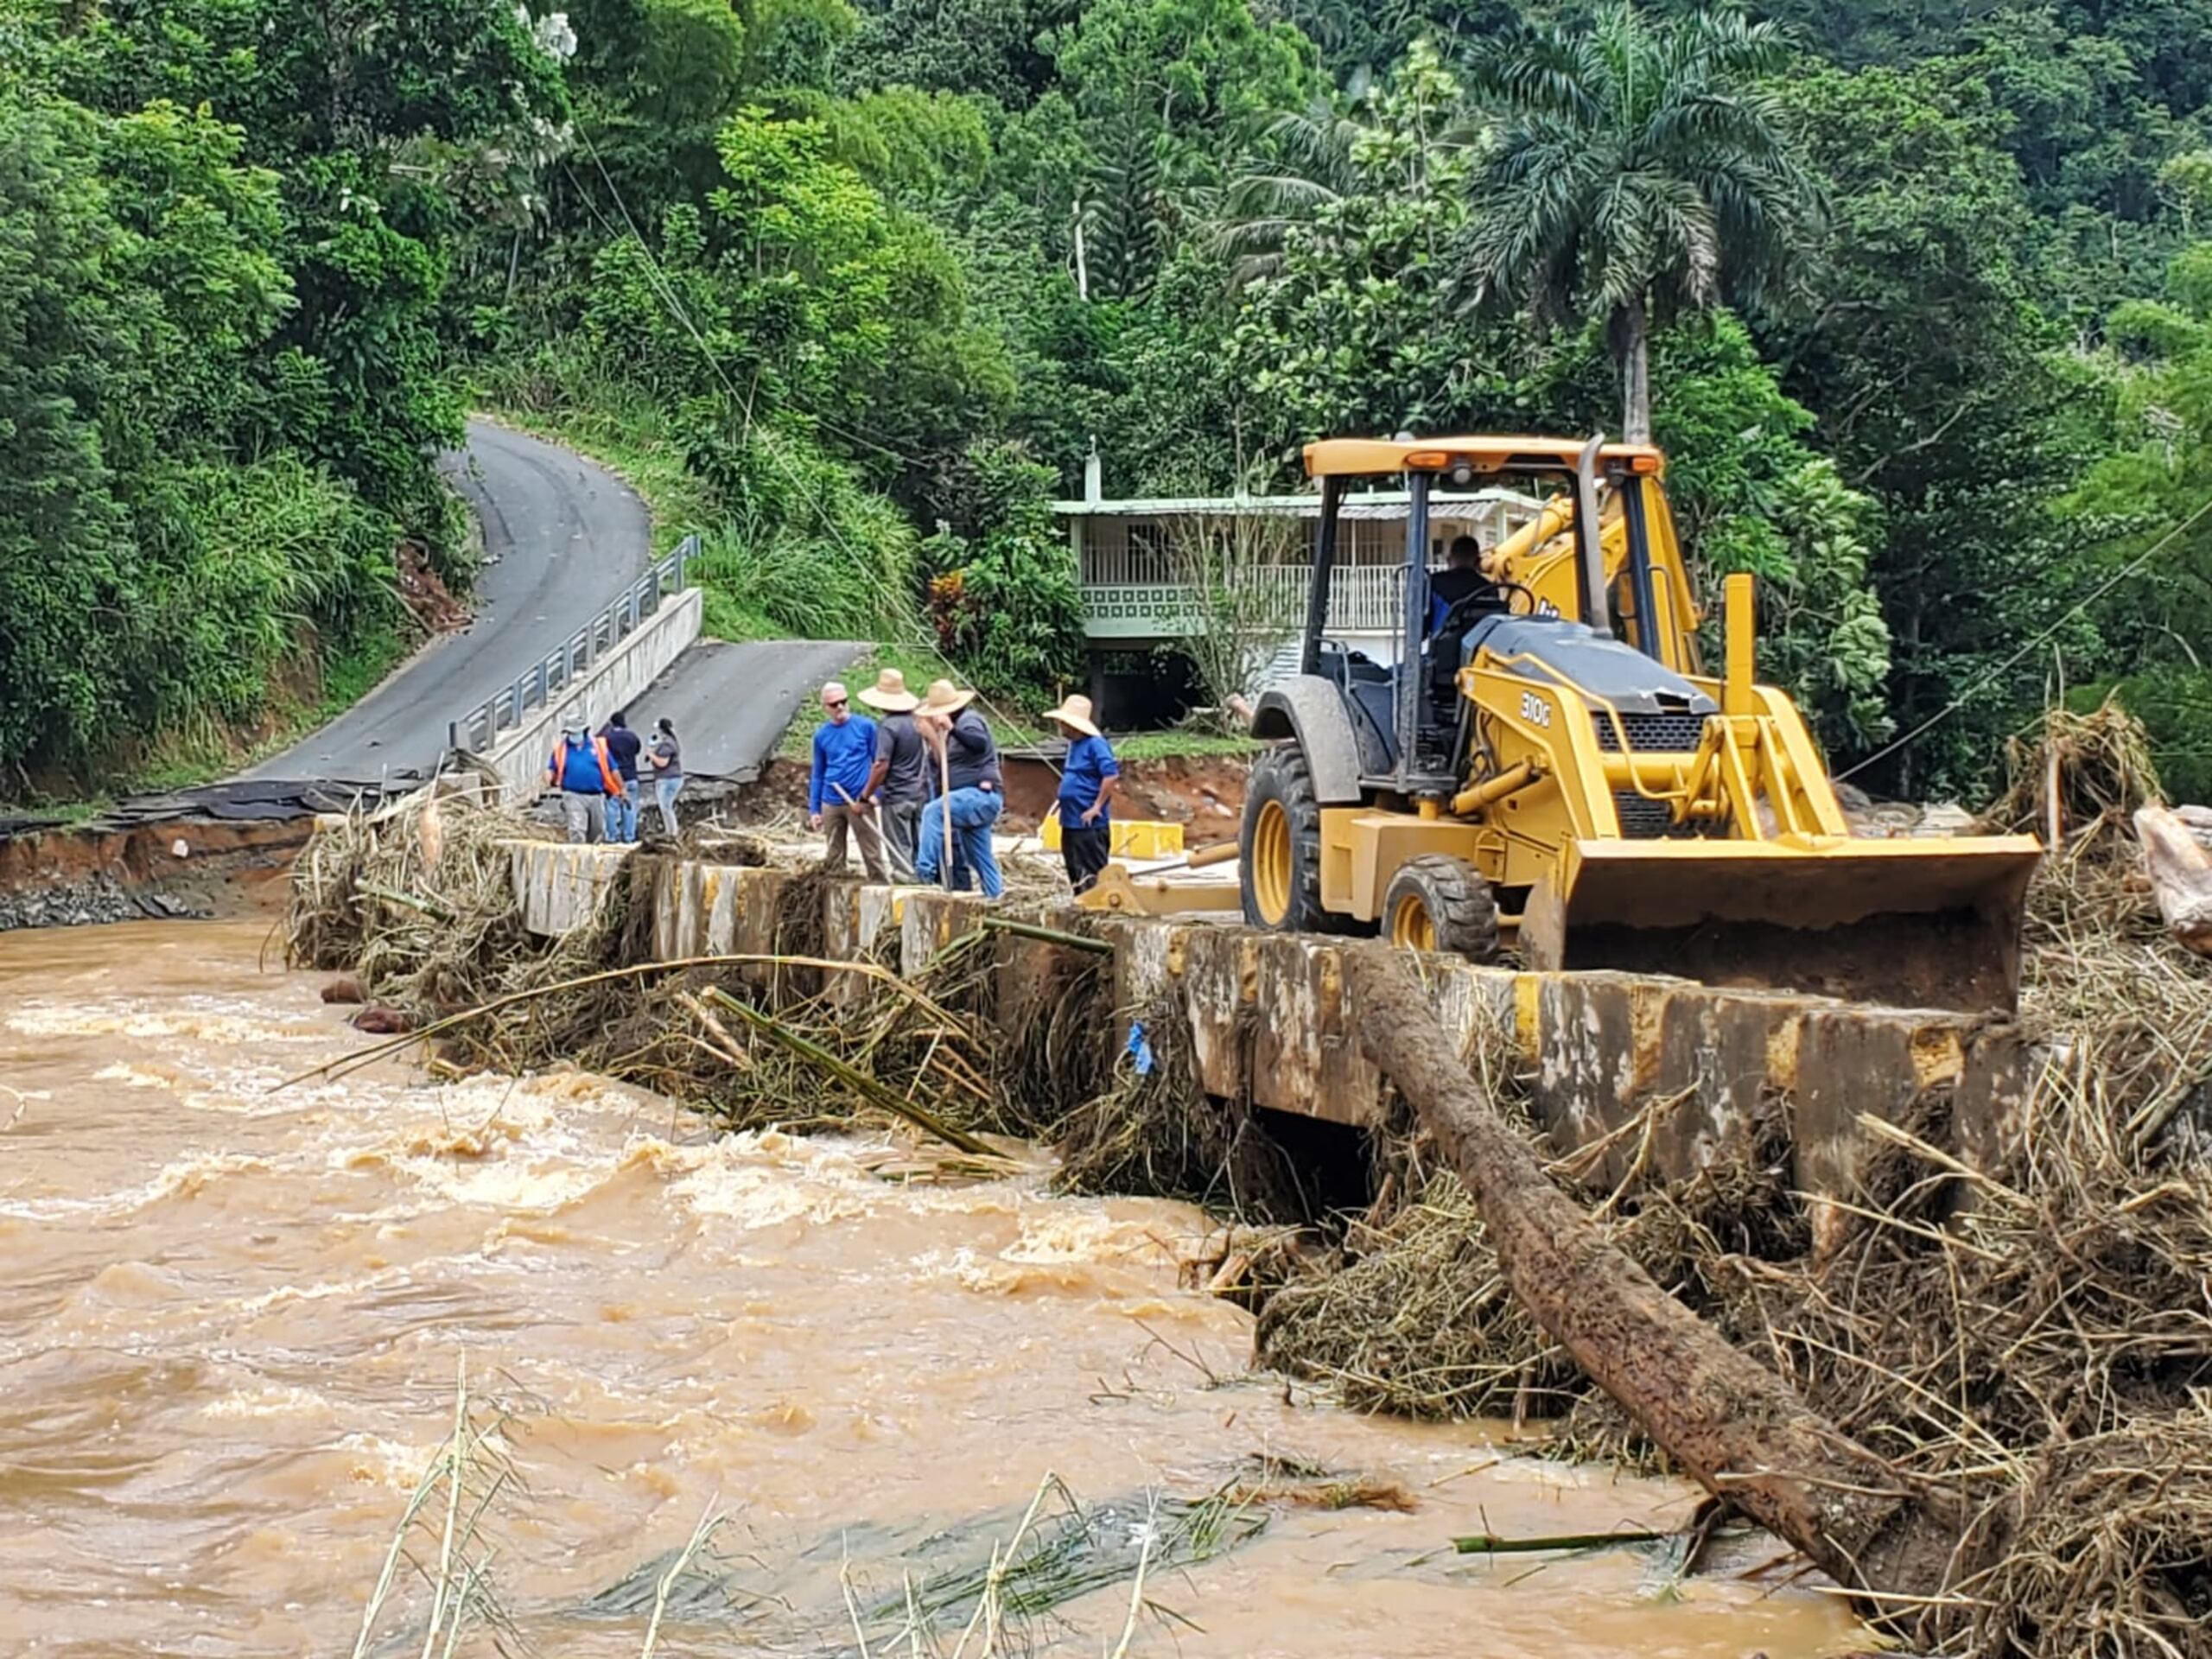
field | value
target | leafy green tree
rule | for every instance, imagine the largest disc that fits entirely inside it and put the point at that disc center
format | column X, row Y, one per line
column 653, row 81
column 153, row 579
column 1156, row 86
column 1362, row 39
column 1937, row 386
column 2144, row 505
column 1353, row 330
column 986, row 46
column 1003, row 594
column 331, row 96
column 1643, row 169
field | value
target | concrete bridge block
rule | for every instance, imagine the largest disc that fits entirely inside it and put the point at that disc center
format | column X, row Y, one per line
column 934, row 920
column 876, row 911
column 1307, row 1055
column 1477, row 1004
column 1853, row 1061
column 1149, row 962
column 1989, row 1112
column 1034, row 983
column 718, row 885
column 758, row 894
column 1598, row 1050
column 840, row 920
column 1221, row 983
column 855, row 918
column 559, row 885
column 1723, row 1048
column 675, row 903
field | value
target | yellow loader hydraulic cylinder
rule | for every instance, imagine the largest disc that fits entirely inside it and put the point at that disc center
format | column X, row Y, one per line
column 1739, row 626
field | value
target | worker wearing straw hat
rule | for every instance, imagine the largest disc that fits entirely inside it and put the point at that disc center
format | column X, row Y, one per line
column 956, row 828
column 1088, row 780
column 899, row 786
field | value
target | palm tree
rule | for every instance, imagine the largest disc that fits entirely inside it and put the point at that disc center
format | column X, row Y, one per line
column 1642, row 169
column 1304, row 164
column 1404, row 138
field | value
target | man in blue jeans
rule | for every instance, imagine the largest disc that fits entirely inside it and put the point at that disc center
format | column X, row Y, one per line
column 622, row 747
column 972, row 790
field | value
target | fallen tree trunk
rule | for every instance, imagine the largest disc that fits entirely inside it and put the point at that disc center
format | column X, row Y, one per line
column 1724, row 1419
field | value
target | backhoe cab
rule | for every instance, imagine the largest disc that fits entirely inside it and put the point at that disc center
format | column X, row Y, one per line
column 1546, row 763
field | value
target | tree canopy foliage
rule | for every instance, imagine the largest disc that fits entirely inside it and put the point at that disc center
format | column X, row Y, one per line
column 1924, row 294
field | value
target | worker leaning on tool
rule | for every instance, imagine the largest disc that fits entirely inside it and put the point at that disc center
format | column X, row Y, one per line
column 899, row 785
column 956, row 835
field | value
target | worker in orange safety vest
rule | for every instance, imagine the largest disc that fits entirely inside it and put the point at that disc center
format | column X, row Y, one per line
column 583, row 772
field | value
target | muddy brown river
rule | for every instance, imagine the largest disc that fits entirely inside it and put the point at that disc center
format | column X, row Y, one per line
column 231, row 1319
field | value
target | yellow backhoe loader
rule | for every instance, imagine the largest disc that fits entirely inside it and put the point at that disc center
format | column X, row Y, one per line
column 1545, row 762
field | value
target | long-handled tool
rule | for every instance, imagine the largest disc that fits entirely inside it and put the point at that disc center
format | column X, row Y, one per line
column 875, row 826
column 944, row 796
column 1148, row 895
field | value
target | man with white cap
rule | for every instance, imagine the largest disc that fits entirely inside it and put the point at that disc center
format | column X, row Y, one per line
column 1088, row 779
column 844, row 754
column 898, row 784
column 582, row 770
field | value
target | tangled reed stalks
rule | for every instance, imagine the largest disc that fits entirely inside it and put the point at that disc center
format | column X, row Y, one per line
column 1153, row 1128
column 418, row 898
column 420, row 903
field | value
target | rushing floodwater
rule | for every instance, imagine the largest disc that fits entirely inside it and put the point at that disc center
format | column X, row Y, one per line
column 230, row 1320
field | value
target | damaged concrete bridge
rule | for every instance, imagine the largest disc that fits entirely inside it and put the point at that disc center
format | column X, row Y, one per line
column 1272, row 1021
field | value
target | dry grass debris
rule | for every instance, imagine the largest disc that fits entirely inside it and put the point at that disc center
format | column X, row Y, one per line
column 419, row 904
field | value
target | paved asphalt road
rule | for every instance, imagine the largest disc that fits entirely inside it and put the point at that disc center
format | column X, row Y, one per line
column 731, row 702
column 562, row 539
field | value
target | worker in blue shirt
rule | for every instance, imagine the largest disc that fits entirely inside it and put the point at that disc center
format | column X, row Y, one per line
column 1088, row 780
column 844, row 757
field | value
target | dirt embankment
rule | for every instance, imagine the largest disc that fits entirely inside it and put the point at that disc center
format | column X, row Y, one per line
column 179, row 866
column 1204, row 793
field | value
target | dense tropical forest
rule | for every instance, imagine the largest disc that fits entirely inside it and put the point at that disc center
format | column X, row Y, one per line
column 1919, row 297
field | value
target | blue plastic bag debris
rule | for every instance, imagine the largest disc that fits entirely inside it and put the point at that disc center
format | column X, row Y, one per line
column 1139, row 1050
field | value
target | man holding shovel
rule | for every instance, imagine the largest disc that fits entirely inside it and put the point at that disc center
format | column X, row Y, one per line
column 844, row 755
column 899, row 786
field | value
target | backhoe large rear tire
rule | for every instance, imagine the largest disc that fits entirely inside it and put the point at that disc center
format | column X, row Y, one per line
column 1436, row 902
column 1281, row 847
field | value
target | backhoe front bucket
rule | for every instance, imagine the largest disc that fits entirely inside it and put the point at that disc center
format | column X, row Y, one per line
column 1909, row 923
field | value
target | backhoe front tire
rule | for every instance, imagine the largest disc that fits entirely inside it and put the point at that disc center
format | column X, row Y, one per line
column 1281, row 846
column 1436, row 902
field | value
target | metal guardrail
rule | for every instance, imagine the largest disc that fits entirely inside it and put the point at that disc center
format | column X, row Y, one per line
column 542, row 684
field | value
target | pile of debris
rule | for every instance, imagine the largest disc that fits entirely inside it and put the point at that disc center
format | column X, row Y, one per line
column 2013, row 1353
column 417, row 904
column 2025, row 1347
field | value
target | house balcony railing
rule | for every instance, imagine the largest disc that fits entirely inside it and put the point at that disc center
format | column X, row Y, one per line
column 1362, row 600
